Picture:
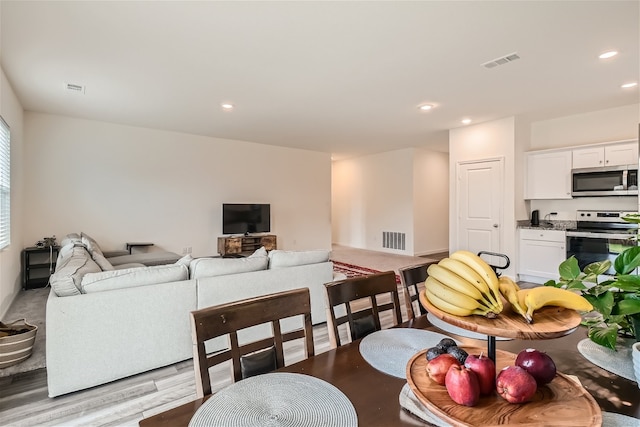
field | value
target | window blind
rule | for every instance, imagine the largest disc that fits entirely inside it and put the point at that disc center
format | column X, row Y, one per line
column 5, row 185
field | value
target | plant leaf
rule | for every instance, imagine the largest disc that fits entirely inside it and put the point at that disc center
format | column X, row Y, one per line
column 569, row 268
column 597, row 268
column 602, row 303
column 628, row 282
column 628, row 306
column 575, row 284
column 635, row 218
column 628, row 260
column 552, row 283
column 605, row 336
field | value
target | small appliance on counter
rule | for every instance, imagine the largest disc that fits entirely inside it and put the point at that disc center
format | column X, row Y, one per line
column 535, row 218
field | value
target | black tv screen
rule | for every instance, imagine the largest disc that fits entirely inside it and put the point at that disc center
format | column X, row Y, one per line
column 243, row 218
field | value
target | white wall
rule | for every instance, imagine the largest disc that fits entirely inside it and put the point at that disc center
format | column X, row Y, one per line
column 10, row 273
column 372, row 194
column 122, row 183
column 431, row 202
column 393, row 191
column 613, row 124
column 490, row 140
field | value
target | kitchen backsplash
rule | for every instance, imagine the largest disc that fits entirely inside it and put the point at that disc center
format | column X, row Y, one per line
column 566, row 209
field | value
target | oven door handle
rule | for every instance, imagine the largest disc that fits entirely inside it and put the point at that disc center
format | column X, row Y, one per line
column 602, row 235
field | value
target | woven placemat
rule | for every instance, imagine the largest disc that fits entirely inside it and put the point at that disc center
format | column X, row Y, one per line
column 410, row 402
column 618, row 362
column 389, row 350
column 447, row 327
column 277, row 399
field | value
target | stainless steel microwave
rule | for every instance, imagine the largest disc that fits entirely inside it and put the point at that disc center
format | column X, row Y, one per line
column 605, row 181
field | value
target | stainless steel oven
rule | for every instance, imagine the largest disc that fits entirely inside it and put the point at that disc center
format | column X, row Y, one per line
column 600, row 235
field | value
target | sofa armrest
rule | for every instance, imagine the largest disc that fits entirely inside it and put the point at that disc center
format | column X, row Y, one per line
column 111, row 254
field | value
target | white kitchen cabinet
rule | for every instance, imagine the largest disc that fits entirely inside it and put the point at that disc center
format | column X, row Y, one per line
column 606, row 155
column 541, row 253
column 548, row 175
column 590, row 157
column 621, row 154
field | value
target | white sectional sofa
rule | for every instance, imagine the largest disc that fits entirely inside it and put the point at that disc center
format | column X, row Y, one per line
column 106, row 323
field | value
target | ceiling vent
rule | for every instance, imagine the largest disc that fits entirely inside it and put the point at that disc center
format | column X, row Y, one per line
column 74, row 88
column 501, row 61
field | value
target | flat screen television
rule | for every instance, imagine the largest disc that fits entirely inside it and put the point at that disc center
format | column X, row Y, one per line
column 244, row 218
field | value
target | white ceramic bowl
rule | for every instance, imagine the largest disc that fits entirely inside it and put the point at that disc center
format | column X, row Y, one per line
column 635, row 354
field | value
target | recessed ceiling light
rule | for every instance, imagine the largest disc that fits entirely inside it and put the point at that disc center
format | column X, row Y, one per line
column 466, row 121
column 227, row 107
column 628, row 85
column 425, row 107
column 607, row 55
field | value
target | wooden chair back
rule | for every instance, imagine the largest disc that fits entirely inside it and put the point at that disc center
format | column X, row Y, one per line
column 227, row 319
column 411, row 277
column 363, row 317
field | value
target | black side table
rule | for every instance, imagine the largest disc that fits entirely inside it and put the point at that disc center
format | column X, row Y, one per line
column 131, row 245
column 37, row 265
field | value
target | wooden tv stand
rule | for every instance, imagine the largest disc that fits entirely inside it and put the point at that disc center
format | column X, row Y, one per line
column 245, row 245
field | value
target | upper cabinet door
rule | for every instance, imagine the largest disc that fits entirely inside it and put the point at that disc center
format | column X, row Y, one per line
column 591, row 157
column 621, row 154
column 606, row 155
column 548, row 175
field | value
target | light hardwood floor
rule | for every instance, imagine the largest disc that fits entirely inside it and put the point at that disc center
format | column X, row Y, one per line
column 24, row 400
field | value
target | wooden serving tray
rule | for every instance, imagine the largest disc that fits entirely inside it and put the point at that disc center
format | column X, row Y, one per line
column 562, row 402
column 548, row 322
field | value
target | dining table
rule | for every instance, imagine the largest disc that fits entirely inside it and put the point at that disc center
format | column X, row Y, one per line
column 375, row 394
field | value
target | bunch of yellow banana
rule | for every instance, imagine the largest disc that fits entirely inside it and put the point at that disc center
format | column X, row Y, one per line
column 462, row 285
column 509, row 290
column 534, row 298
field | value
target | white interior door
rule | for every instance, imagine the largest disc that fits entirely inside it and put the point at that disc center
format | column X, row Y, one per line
column 479, row 205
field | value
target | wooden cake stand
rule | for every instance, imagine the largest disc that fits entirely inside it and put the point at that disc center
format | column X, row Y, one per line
column 548, row 322
column 562, row 402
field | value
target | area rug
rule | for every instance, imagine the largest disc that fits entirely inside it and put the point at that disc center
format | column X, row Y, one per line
column 351, row 270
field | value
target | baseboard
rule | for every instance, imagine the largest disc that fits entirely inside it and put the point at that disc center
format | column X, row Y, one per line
column 431, row 252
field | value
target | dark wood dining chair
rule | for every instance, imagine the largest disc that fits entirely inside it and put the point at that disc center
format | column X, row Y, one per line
column 256, row 357
column 361, row 299
column 411, row 277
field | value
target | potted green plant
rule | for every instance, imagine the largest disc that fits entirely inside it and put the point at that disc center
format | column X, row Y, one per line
column 616, row 300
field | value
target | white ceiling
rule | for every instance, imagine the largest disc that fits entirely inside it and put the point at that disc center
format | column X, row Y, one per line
column 338, row 77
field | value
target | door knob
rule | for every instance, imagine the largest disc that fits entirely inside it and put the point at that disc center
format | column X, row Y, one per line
column 495, row 225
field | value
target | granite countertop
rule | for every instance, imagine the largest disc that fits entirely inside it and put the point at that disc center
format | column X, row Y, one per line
column 548, row 225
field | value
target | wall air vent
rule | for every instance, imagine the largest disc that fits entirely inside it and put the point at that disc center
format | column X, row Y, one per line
column 393, row 240
column 501, row 61
column 75, row 88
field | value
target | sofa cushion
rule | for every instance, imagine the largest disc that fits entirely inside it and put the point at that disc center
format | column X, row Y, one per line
column 261, row 251
column 132, row 277
column 282, row 259
column 73, row 238
column 185, row 260
column 209, row 267
column 129, row 265
column 146, row 258
column 68, row 276
column 91, row 244
column 104, row 264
